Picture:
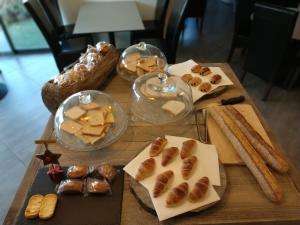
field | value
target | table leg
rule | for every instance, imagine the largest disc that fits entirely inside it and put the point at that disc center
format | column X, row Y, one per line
column 112, row 38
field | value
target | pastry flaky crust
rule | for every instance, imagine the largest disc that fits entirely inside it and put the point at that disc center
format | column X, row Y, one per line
column 267, row 152
column 157, row 146
column 146, row 169
column 177, row 194
column 199, row 189
column 162, row 183
column 188, row 165
column 187, row 148
column 248, row 154
column 168, row 155
column 107, row 171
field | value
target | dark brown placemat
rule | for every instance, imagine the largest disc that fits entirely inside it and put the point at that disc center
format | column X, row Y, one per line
column 77, row 209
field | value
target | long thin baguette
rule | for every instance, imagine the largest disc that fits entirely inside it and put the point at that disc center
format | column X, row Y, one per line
column 252, row 159
column 271, row 156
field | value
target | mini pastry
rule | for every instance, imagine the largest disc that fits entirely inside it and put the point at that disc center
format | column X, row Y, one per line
column 205, row 87
column 187, row 77
column 196, row 81
column 96, row 186
column 33, row 206
column 107, row 171
column 216, row 79
column 205, row 71
column 55, row 172
column 157, row 146
column 146, row 169
column 77, row 171
column 187, row 148
column 199, row 189
column 168, row 155
column 177, row 194
column 70, row 186
column 48, row 206
column 196, row 68
column 188, row 166
column 162, row 182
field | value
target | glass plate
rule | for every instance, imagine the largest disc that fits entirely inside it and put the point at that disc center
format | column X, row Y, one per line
column 116, row 130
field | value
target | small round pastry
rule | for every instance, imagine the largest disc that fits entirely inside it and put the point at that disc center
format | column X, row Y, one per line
column 216, row 79
column 186, row 77
column 196, row 81
column 205, row 87
column 196, row 68
column 204, row 71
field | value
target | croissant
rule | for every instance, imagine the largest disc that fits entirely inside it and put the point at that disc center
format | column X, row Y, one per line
column 199, row 190
column 145, row 170
column 188, row 166
column 187, row 148
column 157, row 146
column 162, row 182
column 177, row 194
column 168, row 155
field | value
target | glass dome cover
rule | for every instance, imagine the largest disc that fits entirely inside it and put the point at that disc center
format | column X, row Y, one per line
column 140, row 59
column 160, row 98
column 115, row 131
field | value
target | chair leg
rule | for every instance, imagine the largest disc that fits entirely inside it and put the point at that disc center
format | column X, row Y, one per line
column 267, row 92
column 243, row 76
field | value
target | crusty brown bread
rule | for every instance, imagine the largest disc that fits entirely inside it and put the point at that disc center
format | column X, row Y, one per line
column 146, row 169
column 199, row 189
column 157, row 146
column 168, row 155
column 188, row 165
column 248, row 154
column 267, row 152
column 187, row 148
column 177, row 195
column 162, row 183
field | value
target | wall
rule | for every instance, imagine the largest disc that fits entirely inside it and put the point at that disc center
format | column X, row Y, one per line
column 69, row 9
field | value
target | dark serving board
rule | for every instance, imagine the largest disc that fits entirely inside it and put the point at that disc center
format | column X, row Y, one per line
column 78, row 209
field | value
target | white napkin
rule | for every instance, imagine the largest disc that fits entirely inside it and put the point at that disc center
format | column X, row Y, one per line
column 207, row 165
column 185, row 67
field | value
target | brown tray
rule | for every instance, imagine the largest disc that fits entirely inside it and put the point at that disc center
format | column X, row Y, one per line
column 77, row 209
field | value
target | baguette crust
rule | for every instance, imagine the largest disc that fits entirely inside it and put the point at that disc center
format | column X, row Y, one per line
column 252, row 159
column 271, row 156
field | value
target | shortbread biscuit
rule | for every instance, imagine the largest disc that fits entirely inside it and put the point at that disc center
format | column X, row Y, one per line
column 95, row 117
column 70, row 126
column 89, row 106
column 75, row 112
column 94, row 131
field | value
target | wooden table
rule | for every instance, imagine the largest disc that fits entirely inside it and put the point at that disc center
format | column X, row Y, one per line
column 108, row 16
column 243, row 202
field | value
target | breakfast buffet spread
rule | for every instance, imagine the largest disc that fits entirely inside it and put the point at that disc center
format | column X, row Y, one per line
column 176, row 174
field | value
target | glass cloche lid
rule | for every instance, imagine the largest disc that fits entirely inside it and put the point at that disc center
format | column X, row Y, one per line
column 140, row 59
column 160, row 98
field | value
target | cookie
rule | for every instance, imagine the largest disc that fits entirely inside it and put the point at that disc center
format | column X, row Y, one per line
column 195, row 81
column 205, row 87
column 196, row 68
column 89, row 106
column 187, row 77
column 70, row 126
column 75, row 112
column 93, row 130
column 95, row 117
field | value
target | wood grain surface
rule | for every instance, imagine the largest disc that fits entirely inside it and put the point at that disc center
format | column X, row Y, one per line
column 243, row 201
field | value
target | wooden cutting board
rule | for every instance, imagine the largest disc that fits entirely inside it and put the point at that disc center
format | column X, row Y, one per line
column 226, row 151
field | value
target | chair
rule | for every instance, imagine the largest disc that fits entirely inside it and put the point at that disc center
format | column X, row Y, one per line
column 51, row 9
column 197, row 9
column 153, row 28
column 242, row 25
column 66, row 51
column 269, row 43
column 169, row 44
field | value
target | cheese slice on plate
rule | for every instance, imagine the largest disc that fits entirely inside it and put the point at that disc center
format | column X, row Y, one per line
column 174, row 107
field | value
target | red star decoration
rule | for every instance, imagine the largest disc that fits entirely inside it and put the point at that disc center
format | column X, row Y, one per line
column 48, row 157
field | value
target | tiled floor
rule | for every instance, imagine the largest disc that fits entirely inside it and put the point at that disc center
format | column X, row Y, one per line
column 23, row 115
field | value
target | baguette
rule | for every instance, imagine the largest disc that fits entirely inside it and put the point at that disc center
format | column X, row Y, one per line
column 271, row 156
column 252, row 159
